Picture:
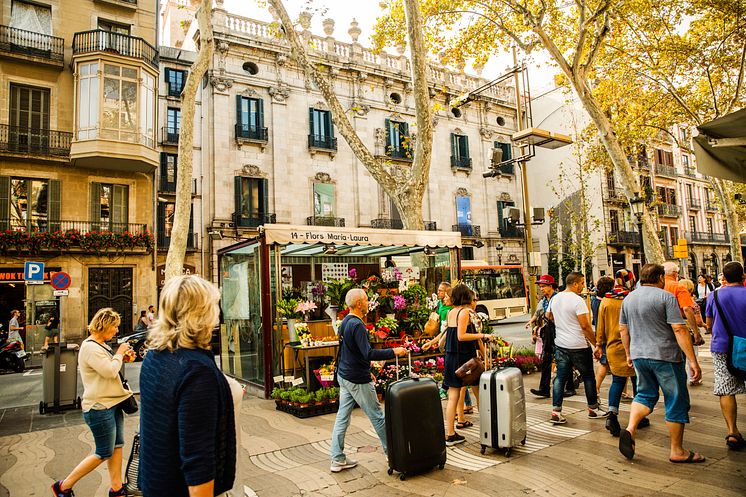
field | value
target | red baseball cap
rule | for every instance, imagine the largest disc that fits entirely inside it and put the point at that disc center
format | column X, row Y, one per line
column 546, row 279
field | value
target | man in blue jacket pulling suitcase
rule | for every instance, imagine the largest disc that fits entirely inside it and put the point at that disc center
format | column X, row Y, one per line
column 355, row 379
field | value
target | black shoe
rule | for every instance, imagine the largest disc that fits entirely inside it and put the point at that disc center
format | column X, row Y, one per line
column 454, row 439
column 612, row 424
column 644, row 423
column 122, row 492
column 540, row 394
column 569, row 393
column 58, row 492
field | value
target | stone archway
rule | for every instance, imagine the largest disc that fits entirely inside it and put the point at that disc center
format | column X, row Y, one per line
column 715, row 264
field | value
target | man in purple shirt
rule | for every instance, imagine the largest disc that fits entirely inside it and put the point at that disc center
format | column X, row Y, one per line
column 732, row 299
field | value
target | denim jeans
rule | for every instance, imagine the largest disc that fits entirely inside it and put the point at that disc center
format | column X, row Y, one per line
column 365, row 396
column 616, row 389
column 653, row 377
column 107, row 426
column 582, row 359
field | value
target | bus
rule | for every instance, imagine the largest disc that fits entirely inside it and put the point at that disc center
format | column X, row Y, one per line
column 501, row 290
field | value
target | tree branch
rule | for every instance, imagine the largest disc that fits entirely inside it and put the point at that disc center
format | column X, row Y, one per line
column 739, row 81
column 582, row 32
column 712, row 91
column 596, row 45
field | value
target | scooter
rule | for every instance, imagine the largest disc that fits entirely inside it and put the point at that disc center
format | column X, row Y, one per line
column 12, row 356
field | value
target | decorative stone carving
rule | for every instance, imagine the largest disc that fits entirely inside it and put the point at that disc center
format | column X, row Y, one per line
column 281, row 59
column 279, row 93
column 380, row 137
column 321, row 105
column 360, row 110
column 222, row 46
column 273, row 13
column 249, row 92
column 354, row 30
column 333, row 72
column 328, row 26
column 458, row 131
column 362, row 76
column 486, row 133
column 435, row 121
column 401, row 48
column 304, row 18
column 253, row 171
column 431, row 92
column 462, row 192
column 220, row 83
column 408, row 87
column 513, row 259
column 505, row 197
column 388, row 82
column 322, row 178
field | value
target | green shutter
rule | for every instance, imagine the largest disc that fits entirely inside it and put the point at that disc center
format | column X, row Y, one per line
column 454, row 146
column 465, row 151
column 389, row 146
column 259, row 113
column 263, row 198
column 161, row 223
column 237, row 194
column 312, row 130
column 95, row 211
column 164, row 170
column 4, row 202
column 239, row 114
column 500, row 207
column 119, row 217
column 54, row 205
column 330, row 124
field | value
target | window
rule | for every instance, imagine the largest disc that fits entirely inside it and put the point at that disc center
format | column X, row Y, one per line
column 690, row 191
column 467, row 253
column 666, row 195
column 250, row 118
column 323, row 199
column 692, row 224
column 251, row 201
column 166, row 211
column 116, row 37
column 463, row 215
column 31, row 17
column 614, row 220
column 725, row 227
column 663, row 158
column 674, row 231
column 29, row 119
column 175, row 80
column 710, row 226
column 460, row 151
column 109, row 207
column 29, row 204
column 173, row 123
column 168, row 172
column 321, row 133
column 113, row 27
column 88, row 91
column 120, row 103
column 685, row 161
column 397, row 140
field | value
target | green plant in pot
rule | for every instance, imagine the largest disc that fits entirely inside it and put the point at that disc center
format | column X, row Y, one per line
column 285, row 395
column 333, row 394
column 320, row 396
column 304, row 399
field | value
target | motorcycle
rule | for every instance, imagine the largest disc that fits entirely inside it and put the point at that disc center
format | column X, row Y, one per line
column 12, row 355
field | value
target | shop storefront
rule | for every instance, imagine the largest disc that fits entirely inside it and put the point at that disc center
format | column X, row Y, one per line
column 304, row 261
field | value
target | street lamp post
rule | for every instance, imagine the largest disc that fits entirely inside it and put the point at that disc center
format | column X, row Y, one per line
column 637, row 205
column 499, row 249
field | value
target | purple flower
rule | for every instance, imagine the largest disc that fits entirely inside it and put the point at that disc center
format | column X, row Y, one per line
column 399, row 302
column 352, row 273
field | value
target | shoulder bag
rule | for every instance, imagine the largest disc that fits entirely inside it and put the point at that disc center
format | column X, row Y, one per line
column 736, row 356
column 128, row 405
column 471, row 370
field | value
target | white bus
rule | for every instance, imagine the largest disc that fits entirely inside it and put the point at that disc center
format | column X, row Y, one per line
column 501, row 290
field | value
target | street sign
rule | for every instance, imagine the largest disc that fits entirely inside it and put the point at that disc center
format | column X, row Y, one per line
column 33, row 273
column 61, row 293
column 682, row 243
column 680, row 252
column 60, row 280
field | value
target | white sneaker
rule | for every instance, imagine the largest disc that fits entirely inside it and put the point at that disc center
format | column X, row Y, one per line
column 597, row 413
column 338, row 466
column 557, row 418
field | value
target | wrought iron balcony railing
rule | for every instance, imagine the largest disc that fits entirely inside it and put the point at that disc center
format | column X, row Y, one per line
column 22, row 43
column 164, row 241
column 669, row 210
column 694, row 203
column 322, row 142
column 246, row 132
column 98, row 40
column 70, row 227
column 712, row 206
column 255, row 220
column 512, row 232
column 44, row 142
column 614, row 195
column 620, row 237
column 325, row 221
column 387, row 224
column 399, row 153
column 667, row 171
column 170, row 136
column 460, row 162
column 469, row 230
column 707, row 237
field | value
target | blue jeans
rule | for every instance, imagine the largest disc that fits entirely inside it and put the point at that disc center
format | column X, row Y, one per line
column 616, row 389
column 107, row 426
column 365, row 396
column 670, row 377
column 467, row 398
column 582, row 359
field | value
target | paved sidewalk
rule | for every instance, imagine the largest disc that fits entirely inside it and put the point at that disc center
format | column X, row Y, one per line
column 284, row 456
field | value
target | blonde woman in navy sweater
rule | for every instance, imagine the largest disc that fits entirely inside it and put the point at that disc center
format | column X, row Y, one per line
column 187, row 426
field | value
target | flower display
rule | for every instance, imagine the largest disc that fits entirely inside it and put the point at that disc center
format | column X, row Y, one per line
column 385, row 327
column 400, row 303
column 288, row 308
column 432, row 302
column 373, row 302
column 305, row 307
column 91, row 241
column 352, row 273
column 318, row 290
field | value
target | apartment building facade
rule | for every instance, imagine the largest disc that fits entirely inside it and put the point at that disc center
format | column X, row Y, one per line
column 267, row 149
column 78, row 82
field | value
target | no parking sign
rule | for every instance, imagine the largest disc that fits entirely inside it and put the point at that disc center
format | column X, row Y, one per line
column 60, row 280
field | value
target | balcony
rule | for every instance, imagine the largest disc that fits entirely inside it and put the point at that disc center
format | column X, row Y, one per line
column 90, row 237
column 707, row 237
column 127, row 4
column 386, row 224
column 690, row 171
column 165, row 241
column 615, row 195
column 22, row 142
column 669, row 210
column 431, row 226
column 712, row 206
column 325, row 221
column 28, row 46
column 618, row 237
column 640, row 162
column 246, row 133
column 254, row 220
column 507, row 169
column 402, row 153
column 461, row 163
column 105, row 42
column 322, row 142
column 468, row 230
column 694, row 204
column 169, row 136
column 512, row 232
column 665, row 171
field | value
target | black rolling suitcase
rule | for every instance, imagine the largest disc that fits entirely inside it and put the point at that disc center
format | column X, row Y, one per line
column 415, row 430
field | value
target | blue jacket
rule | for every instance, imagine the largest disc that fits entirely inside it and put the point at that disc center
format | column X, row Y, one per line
column 355, row 351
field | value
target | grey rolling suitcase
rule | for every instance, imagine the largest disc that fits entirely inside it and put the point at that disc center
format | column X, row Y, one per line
column 60, row 379
column 502, row 409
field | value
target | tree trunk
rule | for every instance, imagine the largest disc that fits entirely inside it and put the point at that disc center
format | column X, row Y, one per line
column 183, row 211
column 730, row 214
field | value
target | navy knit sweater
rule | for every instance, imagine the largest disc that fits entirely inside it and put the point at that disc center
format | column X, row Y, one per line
column 187, row 428
column 356, row 353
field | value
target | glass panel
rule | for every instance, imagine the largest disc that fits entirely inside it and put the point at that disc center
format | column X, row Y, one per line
column 39, row 204
column 171, row 169
column 111, row 70
column 241, row 333
column 111, row 103
column 168, row 218
column 18, row 204
column 31, row 17
column 463, row 210
column 129, row 72
column 105, row 205
column 323, row 199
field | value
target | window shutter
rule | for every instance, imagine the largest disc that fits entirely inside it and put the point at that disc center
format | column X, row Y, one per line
column 237, row 193
column 465, row 151
column 389, row 145
column 312, row 130
column 95, row 206
column 404, row 142
column 119, row 212
column 507, row 151
column 190, row 237
column 329, row 124
column 264, row 198
column 239, row 114
column 164, row 171
column 162, row 224
column 500, row 206
column 54, row 205
column 167, row 77
column 4, row 202
column 259, row 113
column 454, row 146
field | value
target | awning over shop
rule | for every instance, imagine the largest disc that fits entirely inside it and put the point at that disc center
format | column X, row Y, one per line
column 312, row 235
column 720, row 147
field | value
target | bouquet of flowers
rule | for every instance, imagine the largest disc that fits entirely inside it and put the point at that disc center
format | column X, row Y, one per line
column 305, row 307
column 304, row 334
column 400, row 303
column 287, row 308
column 385, row 327
column 432, row 302
column 372, row 302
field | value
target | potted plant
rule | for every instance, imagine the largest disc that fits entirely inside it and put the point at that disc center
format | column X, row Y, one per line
column 276, row 393
column 333, row 394
column 305, row 308
column 304, row 334
column 320, row 396
column 285, row 396
column 385, row 327
column 304, row 399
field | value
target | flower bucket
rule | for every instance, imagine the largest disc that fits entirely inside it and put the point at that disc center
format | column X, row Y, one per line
column 332, row 311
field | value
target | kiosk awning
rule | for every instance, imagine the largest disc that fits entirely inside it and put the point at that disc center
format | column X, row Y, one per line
column 720, row 147
column 289, row 234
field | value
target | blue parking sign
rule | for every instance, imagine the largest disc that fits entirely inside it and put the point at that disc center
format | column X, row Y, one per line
column 34, row 271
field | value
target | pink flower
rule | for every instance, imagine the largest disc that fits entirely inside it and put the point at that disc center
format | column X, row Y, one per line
column 352, row 273
column 399, row 302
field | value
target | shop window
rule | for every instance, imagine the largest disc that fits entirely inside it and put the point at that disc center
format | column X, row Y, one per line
column 109, row 207
column 252, row 199
column 250, row 118
column 175, row 79
column 321, row 129
column 397, row 140
column 323, row 199
column 29, row 204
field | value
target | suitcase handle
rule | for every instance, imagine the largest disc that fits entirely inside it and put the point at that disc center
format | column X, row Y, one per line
column 409, row 363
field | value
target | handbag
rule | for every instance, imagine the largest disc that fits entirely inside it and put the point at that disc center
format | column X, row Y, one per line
column 736, row 356
column 133, row 465
column 539, row 348
column 128, row 405
column 471, row 370
column 433, row 325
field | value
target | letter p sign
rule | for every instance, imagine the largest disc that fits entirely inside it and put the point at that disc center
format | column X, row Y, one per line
column 34, row 272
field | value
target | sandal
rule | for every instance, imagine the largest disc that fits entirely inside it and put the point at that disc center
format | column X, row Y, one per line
column 469, row 410
column 465, row 424
column 626, row 444
column 690, row 459
column 739, row 443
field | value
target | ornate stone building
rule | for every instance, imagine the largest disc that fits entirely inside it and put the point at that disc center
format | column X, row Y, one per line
column 266, row 148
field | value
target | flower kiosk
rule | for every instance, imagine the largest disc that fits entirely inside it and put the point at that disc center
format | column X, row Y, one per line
column 283, row 294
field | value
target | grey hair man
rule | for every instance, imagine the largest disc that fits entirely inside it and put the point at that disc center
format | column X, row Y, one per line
column 355, row 379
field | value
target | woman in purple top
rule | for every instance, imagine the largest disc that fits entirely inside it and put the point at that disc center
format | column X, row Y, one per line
column 732, row 299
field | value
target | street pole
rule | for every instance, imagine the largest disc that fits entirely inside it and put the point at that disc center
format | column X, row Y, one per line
column 529, row 241
column 642, row 245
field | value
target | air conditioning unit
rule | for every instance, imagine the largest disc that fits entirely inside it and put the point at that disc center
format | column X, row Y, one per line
column 539, row 214
column 512, row 215
column 497, row 156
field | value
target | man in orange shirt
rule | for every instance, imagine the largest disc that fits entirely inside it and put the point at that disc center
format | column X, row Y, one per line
column 683, row 297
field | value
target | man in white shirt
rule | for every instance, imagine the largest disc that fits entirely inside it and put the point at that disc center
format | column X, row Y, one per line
column 572, row 346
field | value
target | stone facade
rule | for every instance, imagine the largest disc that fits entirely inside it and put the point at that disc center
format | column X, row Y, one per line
column 53, row 177
column 251, row 62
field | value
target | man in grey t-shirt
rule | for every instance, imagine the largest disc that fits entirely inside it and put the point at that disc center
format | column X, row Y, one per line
column 654, row 334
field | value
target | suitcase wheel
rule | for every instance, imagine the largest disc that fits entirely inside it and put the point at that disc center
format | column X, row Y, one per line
column 390, row 471
column 441, row 466
column 483, row 450
column 42, row 407
column 402, row 477
column 523, row 442
column 507, row 452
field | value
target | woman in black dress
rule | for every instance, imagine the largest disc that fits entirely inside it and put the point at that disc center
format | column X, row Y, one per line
column 461, row 345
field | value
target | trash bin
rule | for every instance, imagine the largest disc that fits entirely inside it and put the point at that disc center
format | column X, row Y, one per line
column 60, row 378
